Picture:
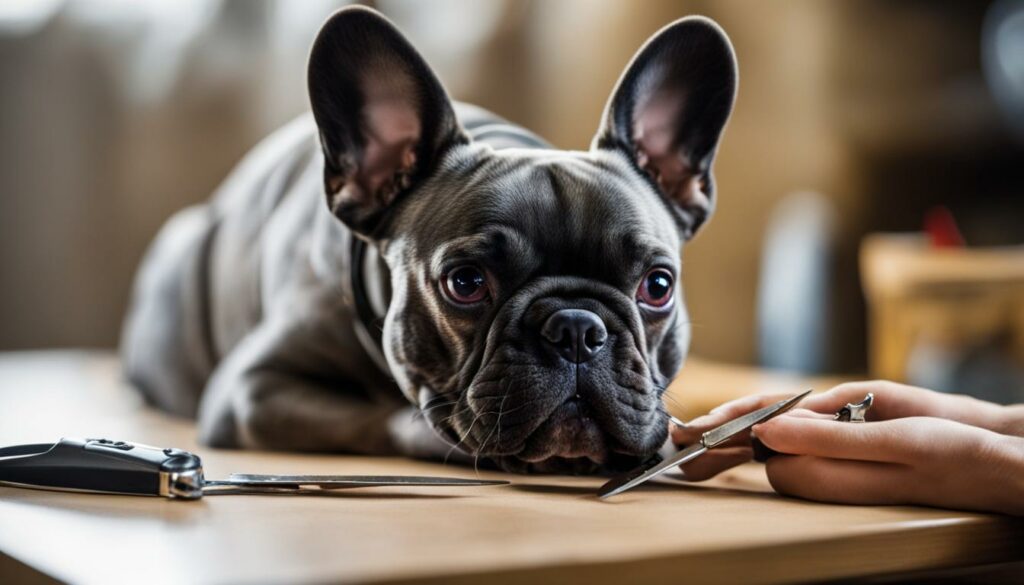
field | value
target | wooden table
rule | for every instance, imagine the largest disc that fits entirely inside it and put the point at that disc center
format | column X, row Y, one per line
column 540, row 529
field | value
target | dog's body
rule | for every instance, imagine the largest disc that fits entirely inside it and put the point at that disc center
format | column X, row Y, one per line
column 521, row 297
column 266, row 249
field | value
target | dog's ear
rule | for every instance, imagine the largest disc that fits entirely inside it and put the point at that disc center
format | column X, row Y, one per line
column 383, row 116
column 668, row 111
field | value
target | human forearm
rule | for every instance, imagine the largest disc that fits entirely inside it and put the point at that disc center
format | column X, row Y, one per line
column 1008, row 469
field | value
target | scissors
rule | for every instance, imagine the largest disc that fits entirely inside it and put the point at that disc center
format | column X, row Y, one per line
column 709, row 440
column 119, row 467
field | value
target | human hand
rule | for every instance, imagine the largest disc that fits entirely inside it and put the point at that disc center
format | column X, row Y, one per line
column 924, row 447
column 914, row 460
column 892, row 400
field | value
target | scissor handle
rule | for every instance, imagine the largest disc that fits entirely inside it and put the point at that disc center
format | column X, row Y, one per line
column 762, row 452
column 103, row 466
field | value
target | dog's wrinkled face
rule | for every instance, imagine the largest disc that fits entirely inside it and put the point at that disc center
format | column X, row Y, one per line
column 536, row 314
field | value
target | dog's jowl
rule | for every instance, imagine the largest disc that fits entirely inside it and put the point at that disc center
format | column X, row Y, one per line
column 402, row 273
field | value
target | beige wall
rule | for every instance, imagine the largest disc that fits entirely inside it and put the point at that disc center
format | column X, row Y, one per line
column 781, row 138
column 88, row 172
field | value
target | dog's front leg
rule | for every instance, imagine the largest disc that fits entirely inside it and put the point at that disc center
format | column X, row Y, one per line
column 290, row 385
column 413, row 436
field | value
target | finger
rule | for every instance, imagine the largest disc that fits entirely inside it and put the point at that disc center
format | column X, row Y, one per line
column 689, row 436
column 716, row 461
column 893, row 441
column 741, row 406
column 762, row 452
column 685, row 435
column 835, row 480
column 692, row 431
column 892, row 400
column 838, row 396
column 804, row 413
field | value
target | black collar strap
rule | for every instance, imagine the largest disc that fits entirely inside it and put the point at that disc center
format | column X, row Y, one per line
column 369, row 326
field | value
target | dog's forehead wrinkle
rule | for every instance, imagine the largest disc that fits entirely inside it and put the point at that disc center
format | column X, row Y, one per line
column 564, row 202
column 558, row 209
column 594, row 214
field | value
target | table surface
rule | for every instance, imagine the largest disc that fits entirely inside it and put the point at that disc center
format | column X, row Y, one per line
column 732, row 529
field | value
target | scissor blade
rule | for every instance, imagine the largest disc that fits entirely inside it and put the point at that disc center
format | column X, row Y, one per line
column 709, row 440
column 723, row 433
column 631, row 479
column 342, row 481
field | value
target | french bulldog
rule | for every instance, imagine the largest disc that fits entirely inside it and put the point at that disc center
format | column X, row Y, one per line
column 402, row 273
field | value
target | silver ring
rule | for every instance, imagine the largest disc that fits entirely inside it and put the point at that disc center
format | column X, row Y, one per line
column 856, row 413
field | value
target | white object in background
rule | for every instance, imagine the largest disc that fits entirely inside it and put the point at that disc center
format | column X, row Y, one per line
column 793, row 291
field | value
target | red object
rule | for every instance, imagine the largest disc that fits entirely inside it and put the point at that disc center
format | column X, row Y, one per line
column 941, row 228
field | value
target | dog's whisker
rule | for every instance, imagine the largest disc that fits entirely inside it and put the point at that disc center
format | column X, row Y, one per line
column 672, row 399
column 469, row 431
column 422, row 413
column 455, row 413
column 461, row 440
column 497, row 425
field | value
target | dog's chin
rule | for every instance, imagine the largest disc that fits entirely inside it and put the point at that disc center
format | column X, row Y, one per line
column 569, row 442
column 569, row 433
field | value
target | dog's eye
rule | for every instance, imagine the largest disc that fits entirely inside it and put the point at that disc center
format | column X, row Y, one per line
column 656, row 288
column 465, row 285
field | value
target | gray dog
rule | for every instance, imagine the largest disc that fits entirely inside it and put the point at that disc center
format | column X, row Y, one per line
column 523, row 299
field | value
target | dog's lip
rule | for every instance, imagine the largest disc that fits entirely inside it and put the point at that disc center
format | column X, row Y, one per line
column 572, row 416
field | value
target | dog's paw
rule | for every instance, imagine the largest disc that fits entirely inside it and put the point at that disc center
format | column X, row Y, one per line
column 413, row 437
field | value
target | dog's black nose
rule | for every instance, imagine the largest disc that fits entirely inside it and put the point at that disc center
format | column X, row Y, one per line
column 575, row 334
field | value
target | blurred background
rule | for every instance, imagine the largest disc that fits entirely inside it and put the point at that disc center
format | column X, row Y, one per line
column 856, row 120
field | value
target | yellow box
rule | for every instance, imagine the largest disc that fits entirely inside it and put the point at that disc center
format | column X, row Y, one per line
column 952, row 298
